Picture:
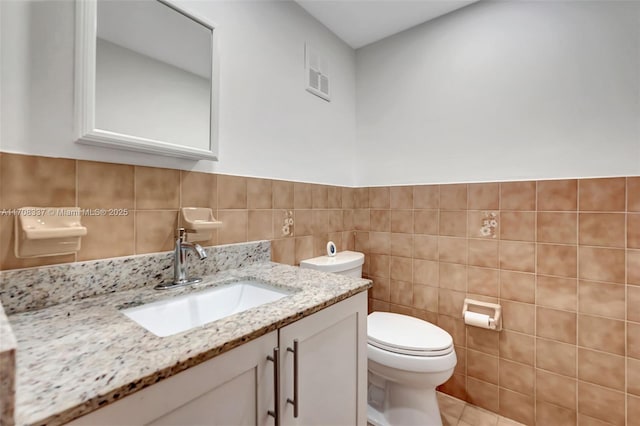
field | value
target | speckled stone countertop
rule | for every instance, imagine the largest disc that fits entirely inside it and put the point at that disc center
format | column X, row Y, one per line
column 36, row 288
column 75, row 357
column 8, row 346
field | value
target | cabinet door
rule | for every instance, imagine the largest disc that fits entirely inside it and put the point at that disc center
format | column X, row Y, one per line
column 332, row 366
column 233, row 389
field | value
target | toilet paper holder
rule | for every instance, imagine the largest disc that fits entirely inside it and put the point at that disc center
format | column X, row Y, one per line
column 494, row 319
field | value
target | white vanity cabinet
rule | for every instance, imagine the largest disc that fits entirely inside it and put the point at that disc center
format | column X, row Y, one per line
column 332, row 366
column 232, row 389
column 237, row 388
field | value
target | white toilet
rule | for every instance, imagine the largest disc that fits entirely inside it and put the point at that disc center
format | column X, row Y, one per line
column 408, row 357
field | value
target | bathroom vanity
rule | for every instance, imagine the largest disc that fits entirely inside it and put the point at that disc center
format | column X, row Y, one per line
column 244, row 386
column 83, row 361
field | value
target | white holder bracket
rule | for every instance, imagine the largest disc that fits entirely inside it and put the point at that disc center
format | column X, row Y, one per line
column 201, row 221
column 491, row 320
column 41, row 231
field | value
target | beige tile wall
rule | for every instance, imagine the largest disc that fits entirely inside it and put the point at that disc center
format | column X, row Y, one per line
column 563, row 260
column 251, row 209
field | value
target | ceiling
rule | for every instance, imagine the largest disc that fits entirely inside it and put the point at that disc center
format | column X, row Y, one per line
column 361, row 22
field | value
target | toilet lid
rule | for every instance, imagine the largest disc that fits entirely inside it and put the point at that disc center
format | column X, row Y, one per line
column 407, row 335
column 342, row 261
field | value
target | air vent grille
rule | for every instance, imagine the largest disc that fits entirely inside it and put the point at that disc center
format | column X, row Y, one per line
column 317, row 72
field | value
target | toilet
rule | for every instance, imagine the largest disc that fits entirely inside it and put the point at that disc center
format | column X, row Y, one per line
column 408, row 357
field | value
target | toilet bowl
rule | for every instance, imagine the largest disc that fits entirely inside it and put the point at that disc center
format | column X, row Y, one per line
column 408, row 359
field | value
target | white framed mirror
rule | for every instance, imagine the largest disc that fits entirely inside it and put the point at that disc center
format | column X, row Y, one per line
column 146, row 78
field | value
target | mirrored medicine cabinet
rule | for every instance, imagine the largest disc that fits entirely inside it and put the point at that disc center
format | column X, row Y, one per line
column 146, row 78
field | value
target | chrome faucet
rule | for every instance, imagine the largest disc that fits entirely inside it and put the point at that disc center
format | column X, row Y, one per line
column 180, row 276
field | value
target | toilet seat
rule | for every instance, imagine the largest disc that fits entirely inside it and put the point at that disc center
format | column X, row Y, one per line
column 405, row 335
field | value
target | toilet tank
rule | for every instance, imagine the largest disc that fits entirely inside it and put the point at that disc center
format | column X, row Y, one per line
column 344, row 263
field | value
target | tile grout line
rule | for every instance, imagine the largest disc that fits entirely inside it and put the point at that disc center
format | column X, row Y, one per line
column 135, row 211
column 535, row 301
column 76, row 164
column 626, row 301
column 245, row 183
column 499, row 237
column 577, row 350
column 466, row 328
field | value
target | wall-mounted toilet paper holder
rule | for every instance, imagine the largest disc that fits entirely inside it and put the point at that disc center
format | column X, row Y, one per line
column 478, row 319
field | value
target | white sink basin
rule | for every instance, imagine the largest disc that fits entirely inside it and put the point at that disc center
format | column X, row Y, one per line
column 172, row 316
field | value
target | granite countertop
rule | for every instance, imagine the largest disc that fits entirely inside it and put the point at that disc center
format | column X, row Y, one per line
column 8, row 346
column 78, row 356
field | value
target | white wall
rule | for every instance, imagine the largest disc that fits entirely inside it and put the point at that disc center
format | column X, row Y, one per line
column 503, row 91
column 494, row 91
column 269, row 125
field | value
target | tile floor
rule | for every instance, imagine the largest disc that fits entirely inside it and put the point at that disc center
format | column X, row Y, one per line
column 455, row 412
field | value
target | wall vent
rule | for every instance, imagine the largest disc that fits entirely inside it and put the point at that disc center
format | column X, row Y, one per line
column 317, row 73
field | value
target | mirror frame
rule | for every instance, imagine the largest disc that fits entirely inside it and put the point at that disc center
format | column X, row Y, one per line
column 85, row 89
